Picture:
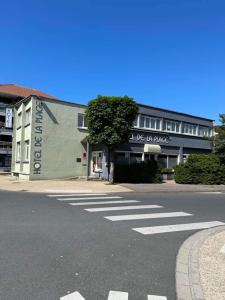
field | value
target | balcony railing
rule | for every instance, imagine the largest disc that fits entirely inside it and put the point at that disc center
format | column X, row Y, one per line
column 5, row 145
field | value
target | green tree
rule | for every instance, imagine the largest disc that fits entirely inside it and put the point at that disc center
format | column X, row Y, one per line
column 219, row 139
column 110, row 120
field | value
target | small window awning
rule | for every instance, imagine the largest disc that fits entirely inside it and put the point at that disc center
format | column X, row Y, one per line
column 152, row 149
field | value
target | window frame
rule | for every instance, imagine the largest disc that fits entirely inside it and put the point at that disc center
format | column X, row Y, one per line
column 28, row 113
column 18, row 151
column 84, row 122
column 27, row 151
column 151, row 120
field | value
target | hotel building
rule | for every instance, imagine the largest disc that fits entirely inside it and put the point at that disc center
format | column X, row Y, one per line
column 50, row 139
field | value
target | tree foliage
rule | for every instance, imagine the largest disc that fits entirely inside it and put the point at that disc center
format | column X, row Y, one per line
column 219, row 140
column 110, row 120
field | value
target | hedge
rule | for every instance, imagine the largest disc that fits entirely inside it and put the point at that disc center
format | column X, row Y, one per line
column 200, row 169
column 142, row 172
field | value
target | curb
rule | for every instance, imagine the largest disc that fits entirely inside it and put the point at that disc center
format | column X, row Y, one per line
column 188, row 284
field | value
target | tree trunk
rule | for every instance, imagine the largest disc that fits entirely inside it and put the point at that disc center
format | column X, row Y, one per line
column 112, row 166
column 108, row 163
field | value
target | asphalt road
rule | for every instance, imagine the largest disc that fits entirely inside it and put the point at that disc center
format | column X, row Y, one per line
column 49, row 248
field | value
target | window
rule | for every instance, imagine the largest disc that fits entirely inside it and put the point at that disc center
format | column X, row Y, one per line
column 27, row 117
column 135, row 124
column 27, row 150
column 82, row 121
column 189, row 129
column 121, row 157
column 162, row 159
column 172, row 161
column 18, row 151
column 204, row 131
column 150, row 123
column 135, row 157
column 19, row 120
column 172, row 126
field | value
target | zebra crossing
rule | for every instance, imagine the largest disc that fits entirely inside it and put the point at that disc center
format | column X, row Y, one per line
column 105, row 205
column 106, row 201
column 113, row 295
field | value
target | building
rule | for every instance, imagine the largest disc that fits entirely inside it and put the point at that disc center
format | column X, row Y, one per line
column 9, row 95
column 50, row 139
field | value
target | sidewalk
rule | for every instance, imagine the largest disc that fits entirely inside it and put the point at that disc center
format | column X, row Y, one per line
column 171, row 186
column 200, row 268
column 58, row 186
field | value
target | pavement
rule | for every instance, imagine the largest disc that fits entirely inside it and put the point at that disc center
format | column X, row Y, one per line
column 98, row 246
column 7, row 182
column 200, row 266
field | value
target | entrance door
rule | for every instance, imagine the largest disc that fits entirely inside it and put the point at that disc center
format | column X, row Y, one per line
column 96, row 162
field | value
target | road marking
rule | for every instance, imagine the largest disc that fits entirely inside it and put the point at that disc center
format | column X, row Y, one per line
column 209, row 192
column 222, row 250
column 122, row 208
column 114, row 295
column 154, row 297
column 178, row 227
column 73, row 296
column 103, row 202
column 147, row 216
column 61, row 191
column 89, row 198
column 75, row 195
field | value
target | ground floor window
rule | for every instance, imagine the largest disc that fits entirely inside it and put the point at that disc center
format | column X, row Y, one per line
column 135, row 157
column 27, row 150
column 163, row 160
column 168, row 161
column 18, row 151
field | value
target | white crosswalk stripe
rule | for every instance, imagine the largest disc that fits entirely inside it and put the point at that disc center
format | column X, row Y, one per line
column 103, row 202
column 114, row 295
column 154, row 297
column 76, row 195
column 112, row 208
column 177, row 227
column 147, row 216
column 73, row 296
column 89, row 198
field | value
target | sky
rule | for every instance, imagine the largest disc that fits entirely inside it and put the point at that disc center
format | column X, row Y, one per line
column 164, row 53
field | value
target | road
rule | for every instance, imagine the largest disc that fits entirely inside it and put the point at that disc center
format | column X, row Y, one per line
column 50, row 248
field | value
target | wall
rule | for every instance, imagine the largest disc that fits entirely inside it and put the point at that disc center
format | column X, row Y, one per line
column 56, row 140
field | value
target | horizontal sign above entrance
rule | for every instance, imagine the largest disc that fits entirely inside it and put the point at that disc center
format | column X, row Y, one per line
column 145, row 138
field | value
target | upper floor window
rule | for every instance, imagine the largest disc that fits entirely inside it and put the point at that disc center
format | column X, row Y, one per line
column 172, row 126
column 82, row 123
column 19, row 119
column 28, row 116
column 189, row 129
column 135, row 123
column 204, row 131
column 150, row 123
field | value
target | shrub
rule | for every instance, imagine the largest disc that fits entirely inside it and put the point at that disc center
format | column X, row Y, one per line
column 143, row 172
column 200, row 169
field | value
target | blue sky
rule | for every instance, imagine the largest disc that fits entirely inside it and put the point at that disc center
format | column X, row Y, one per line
column 166, row 53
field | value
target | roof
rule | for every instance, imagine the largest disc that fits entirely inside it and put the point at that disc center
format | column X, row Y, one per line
column 174, row 112
column 21, row 91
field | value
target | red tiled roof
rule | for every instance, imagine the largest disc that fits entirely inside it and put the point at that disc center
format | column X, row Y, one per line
column 22, row 91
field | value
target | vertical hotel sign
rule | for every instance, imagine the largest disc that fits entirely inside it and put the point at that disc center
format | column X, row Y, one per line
column 38, row 130
column 8, row 117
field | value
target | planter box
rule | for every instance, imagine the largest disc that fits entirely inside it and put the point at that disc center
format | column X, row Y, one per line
column 168, row 176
